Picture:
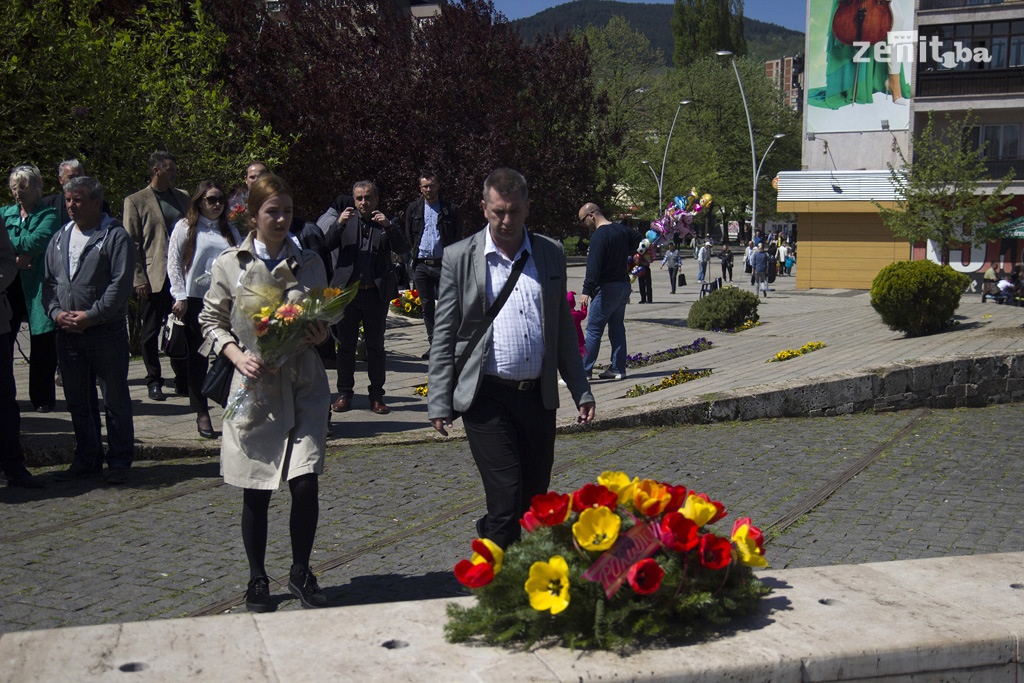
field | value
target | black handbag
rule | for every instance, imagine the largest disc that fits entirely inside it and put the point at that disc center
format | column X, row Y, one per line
column 217, row 385
column 681, row 280
column 173, row 341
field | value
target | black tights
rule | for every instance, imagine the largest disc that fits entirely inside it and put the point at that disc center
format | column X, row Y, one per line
column 302, row 523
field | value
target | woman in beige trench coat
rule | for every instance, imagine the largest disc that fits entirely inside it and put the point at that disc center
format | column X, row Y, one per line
column 284, row 434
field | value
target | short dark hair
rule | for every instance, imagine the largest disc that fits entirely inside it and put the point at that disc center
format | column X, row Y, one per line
column 365, row 183
column 505, row 181
column 160, row 156
column 92, row 187
column 427, row 175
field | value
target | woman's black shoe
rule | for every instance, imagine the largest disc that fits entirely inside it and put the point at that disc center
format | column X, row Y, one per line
column 257, row 595
column 302, row 584
column 205, row 427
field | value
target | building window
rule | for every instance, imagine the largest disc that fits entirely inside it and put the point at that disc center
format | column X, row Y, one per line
column 999, row 140
column 1004, row 42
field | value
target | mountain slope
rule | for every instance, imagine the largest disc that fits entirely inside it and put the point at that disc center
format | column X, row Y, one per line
column 764, row 41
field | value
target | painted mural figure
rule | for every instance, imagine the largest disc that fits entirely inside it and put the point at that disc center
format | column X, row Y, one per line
column 852, row 74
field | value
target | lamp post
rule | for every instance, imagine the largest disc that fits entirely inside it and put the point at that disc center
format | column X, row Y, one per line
column 661, row 179
column 757, row 174
column 755, row 167
column 657, row 180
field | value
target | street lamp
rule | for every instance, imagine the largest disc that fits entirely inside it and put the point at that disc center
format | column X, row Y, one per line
column 661, row 179
column 754, row 166
column 757, row 175
column 657, row 180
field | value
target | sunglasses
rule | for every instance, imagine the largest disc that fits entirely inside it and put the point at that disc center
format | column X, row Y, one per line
column 214, row 199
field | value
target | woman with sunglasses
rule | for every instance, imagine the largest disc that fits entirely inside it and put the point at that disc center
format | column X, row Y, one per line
column 196, row 241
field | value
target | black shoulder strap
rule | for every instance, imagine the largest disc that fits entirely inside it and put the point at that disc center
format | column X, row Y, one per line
column 492, row 312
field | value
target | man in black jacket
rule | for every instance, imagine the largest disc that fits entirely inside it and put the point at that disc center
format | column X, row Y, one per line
column 365, row 239
column 431, row 224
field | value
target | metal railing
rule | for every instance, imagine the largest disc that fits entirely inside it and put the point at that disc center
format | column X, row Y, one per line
column 966, row 83
column 953, row 4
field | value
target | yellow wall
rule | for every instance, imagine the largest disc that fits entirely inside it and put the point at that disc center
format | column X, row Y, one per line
column 844, row 250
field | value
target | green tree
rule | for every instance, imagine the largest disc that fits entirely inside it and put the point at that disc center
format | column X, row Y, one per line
column 75, row 83
column 701, row 27
column 939, row 197
column 710, row 147
column 624, row 69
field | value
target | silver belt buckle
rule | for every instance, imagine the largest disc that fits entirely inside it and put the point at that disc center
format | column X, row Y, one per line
column 525, row 385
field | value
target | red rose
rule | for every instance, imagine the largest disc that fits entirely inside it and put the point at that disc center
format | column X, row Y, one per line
column 714, row 552
column 645, row 576
column 551, row 508
column 594, row 496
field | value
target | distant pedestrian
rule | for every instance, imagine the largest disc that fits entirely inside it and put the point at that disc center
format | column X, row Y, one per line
column 606, row 287
column 671, row 261
column 760, row 263
column 643, row 279
column 748, row 260
column 726, row 257
column 578, row 316
column 703, row 259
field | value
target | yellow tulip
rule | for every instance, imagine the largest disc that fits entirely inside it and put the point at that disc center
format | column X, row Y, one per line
column 492, row 553
column 619, row 483
column 698, row 510
column 749, row 551
column 597, row 528
column 651, row 498
column 548, row 585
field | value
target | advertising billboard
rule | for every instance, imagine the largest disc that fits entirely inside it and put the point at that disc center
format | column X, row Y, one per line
column 859, row 65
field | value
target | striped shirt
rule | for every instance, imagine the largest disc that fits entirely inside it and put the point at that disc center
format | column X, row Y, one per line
column 517, row 345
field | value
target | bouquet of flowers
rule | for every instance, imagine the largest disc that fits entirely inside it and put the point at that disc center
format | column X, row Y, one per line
column 277, row 329
column 611, row 565
column 408, row 303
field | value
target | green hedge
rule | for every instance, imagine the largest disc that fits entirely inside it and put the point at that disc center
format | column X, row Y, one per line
column 917, row 297
column 722, row 309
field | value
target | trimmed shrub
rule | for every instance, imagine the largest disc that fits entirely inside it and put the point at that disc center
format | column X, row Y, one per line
column 722, row 309
column 917, row 297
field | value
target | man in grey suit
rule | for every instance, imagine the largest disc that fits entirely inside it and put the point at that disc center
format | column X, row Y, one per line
column 149, row 217
column 506, row 385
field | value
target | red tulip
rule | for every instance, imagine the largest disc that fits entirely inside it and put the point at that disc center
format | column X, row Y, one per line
column 474, row 575
column 678, row 533
column 551, row 508
column 530, row 522
column 679, row 494
column 594, row 496
column 714, row 552
column 645, row 576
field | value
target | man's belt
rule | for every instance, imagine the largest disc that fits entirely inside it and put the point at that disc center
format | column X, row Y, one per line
column 369, row 286
column 518, row 385
column 436, row 262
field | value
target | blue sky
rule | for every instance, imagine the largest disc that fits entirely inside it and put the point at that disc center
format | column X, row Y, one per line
column 788, row 13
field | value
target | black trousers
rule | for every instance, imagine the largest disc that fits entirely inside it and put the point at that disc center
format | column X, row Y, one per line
column 153, row 312
column 42, row 361
column 196, row 363
column 512, row 437
column 12, row 459
column 427, row 280
column 646, row 292
column 368, row 309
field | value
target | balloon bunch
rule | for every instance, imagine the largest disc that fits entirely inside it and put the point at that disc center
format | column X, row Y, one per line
column 675, row 220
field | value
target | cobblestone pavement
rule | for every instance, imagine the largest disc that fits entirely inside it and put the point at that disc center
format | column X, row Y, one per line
column 395, row 518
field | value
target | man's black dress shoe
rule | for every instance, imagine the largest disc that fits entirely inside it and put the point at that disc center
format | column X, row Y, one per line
column 156, row 393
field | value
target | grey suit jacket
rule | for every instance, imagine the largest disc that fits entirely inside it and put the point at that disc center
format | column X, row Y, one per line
column 144, row 222
column 462, row 305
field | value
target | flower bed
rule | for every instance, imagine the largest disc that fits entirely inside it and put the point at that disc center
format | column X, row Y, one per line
column 732, row 330
column 793, row 353
column 677, row 377
column 640, row 359
column 616, row 564
column 407, row 303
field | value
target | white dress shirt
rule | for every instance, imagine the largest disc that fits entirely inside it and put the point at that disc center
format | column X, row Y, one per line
column 517, row 348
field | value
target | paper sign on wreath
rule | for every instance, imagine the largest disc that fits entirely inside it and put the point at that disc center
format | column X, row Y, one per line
column 610, row 569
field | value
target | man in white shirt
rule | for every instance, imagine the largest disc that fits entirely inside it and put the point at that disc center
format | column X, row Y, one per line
column 504, row 378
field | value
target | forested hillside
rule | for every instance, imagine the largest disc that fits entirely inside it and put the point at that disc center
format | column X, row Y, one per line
column 764, row 41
